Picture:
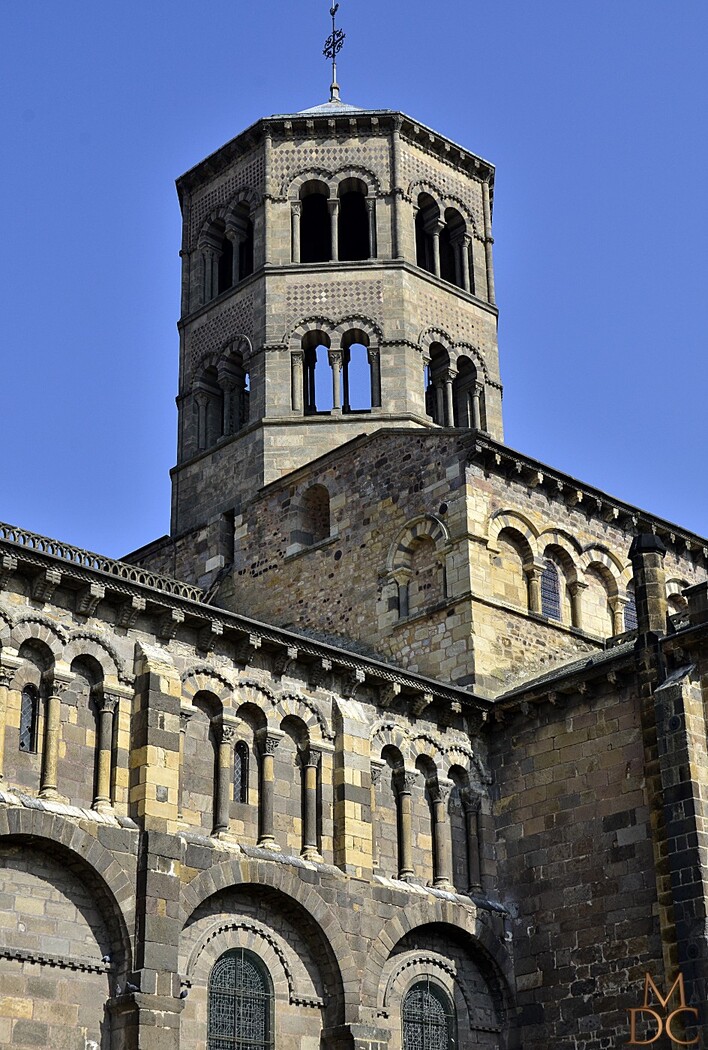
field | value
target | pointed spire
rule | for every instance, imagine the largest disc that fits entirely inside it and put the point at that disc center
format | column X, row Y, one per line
column 333, row 45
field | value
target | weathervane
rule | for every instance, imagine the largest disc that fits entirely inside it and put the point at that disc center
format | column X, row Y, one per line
column 333, row 45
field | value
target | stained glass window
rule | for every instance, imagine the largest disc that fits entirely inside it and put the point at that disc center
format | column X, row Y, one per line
column 241, row 772
column 550, row 591
column 428, row 1018
column 29, row 712
column 630, row 610
column 240, row 1003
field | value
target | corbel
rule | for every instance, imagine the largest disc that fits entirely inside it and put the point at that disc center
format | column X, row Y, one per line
column 389, row 693
column 45, row 584
column 88, row 598
column 209, row 635
column 283, row 660
column 318, row 671
column 351, row 681
column 169, row 622
column 129, row 611
column 8, row 565
column 246, row 648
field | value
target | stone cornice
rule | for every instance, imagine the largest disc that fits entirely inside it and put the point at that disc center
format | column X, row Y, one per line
column 499, row 459
column 345, row 123
column 181, row 605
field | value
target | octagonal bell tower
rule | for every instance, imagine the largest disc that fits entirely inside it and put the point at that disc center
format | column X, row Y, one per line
column 337, row 278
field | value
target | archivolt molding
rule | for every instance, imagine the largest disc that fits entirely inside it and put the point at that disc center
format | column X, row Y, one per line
column 443, row 201
column 291, row 186
column 33, row 626
column 675, row 586
column 89, row 643
column 389, row 733
column 471, row 759
column 433, row 334
column 272, row 954
column 292, row 704
column 483, row 946
column 314, row 323
column 225, row 212
column 64, row 840
column 597, row 555
column 465, row 349
column 341, row 965
column 251, row 691
column 206, row 679
column 426, row 526
column 425, row 745
column 366, row 175
column 366, row 324
column 509, row 519
column 410, row 967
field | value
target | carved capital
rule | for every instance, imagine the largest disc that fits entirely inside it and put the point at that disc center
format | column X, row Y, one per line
column 184, row 718
column 471, row 801
column 373, row 353
column 335, row 359
column 229, row 732
column 268, row 740
column 377, row 768
column 58, row 684
column 442, row 790
column 407, row 781
column 107, row 703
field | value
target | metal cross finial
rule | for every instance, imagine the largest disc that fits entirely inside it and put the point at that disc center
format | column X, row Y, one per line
column 333, row 45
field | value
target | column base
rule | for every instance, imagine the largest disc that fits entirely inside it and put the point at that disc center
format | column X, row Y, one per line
column 270, row 844
column 310, row 853
column 102, row 805
column 51, row 795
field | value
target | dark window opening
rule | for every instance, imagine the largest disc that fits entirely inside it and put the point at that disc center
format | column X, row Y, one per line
column 245, row 252
column 426, row 221
column 356, row 378
column 315, row 229
column 315, row 522
column 317, row 374
column 448, row 269
column 226, row 266
column 353, row 227
column 630, row 610
column 29, row 716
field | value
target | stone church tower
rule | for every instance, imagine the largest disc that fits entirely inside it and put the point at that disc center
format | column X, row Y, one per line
column 398, row 741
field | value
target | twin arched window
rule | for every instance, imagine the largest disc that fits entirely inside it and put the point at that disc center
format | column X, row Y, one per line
column 442, row 244
column 240, row 1012
column 428, row 1018
column 337, row 229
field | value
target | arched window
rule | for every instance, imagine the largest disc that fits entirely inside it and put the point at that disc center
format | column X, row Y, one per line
column 428, row 1018
column 241, row 757
column 240, row 1003
column 226, row 266
column 467, row 399
column 315, row 224
column 454, row 255
column 439, row 394
column 29, row 716
column 550, row 591
column 353, row 221
column 317, row 374
column 357, row 378
column 426, row 233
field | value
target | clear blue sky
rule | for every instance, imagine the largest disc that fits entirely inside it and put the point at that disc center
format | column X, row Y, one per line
column 593, row 112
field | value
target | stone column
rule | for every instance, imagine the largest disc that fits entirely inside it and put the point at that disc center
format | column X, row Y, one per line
column 335, row 363
column 184, row 718
column 295, row 214
column 442, row 835
column 465, row 259
column 52, row 736
column 377, row 768
column 435, row 231
column 374, row 356
column 396, row 188
column 225, row 774
column 371, row 211
column 448, row 379
column 269, row 740
column 533, row 579
column 576, row 602
column 107, row 705
column 477, row 406
column 488, row 242
column 471, row 805
column 334, row 227
column 617, row 606
column 406, row 780
column 439, row 401
column 202, row 399
column 310, row 762
column 6, row 676
column 296, row 374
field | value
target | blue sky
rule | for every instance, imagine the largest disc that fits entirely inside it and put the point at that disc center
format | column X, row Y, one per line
column 594, row 114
